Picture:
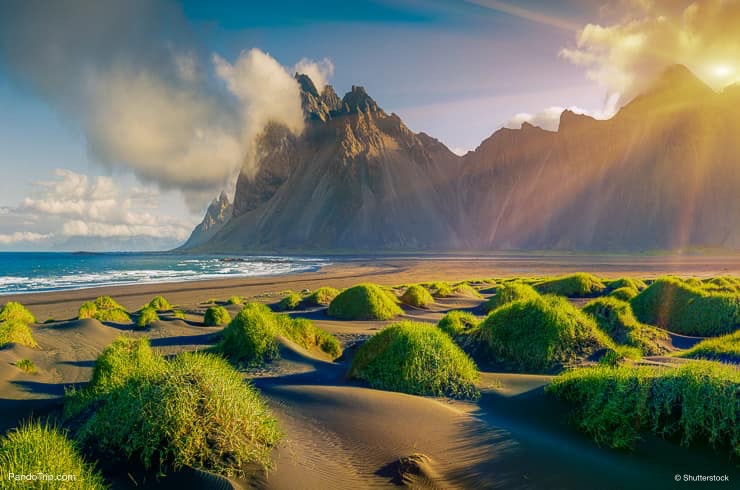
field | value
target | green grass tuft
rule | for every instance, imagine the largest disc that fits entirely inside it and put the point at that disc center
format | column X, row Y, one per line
column 579, row 285
column 16, row 332
column 235, row 300
column 88, row 309
column 304, row 333
column 290, row 302
column 321, row 297
column 441, row 289
column 194, row 410
column 677, row 306
column 725, row 348
column 457, row 323
column 115, row 315
column 626, row 282
column 126, row 357
column 33, row 448
column 615, row 317
column 364, row 302
column 625, row 293
column 250, row 336
column 16, row 311
column 216, row 316
column 107, row 303
column 417, row 296
column 465, row 289
column 147, row 316
column 540, row 334
column 695, row 402
column 508, row 293
column 179, row 314
column 159, row 303
column 104, row 309
column 415, row 358
column 26, row 365
column 722, row 284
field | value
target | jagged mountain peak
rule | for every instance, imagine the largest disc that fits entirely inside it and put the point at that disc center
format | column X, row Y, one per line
column 675, row 89
column 618, row 184
column 306, row 84
column 222, row 198
column 570, row 120
column 357, row 100
column 218, row 213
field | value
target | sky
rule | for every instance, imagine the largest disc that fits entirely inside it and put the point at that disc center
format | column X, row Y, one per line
column 120, row 121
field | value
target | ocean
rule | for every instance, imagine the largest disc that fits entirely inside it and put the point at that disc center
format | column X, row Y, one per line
column 30, row 272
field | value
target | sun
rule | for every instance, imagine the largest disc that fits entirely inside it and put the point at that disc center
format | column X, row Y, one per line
column 722, row 70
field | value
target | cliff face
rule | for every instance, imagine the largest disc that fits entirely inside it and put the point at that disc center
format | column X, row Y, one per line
column 663, row 173
column 357, row 178
column 218, row 213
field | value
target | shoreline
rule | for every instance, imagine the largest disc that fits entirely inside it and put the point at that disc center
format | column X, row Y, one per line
column 385, row 271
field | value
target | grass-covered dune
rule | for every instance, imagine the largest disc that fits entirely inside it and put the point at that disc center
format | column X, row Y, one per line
column 540, row 334
column 194, row 410
column 215, row 316
column 466, row 290
column 235, row 300
column 626, row 282
column 147, row 316
column 579, row 285
column 679, row 307
column 34, row 448
column 693, row 403
column 104, row 309
column 415, row 358
column 439, row 289
column 364, row 302
column 625, row 293
column 321, row 297
column 615, row 317
column 16, row 311
column 417, row 296
column 160, row 303
column 304, row 333
column 16, row 332
column 725, row 349
column 726, row 284
column 508, row 293
column 291, row 301
column 457, row 323
column 252, row 336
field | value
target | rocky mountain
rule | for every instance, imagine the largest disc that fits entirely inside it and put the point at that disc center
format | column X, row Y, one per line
column 663, row 173
column 218, row 213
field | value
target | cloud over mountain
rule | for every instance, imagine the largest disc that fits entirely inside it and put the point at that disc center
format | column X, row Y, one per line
column 146, row 95
column 638, row 42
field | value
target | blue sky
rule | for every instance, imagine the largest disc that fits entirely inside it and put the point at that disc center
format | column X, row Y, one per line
column 457, row 70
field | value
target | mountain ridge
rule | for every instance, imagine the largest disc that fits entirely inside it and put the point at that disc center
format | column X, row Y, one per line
column 660, row 174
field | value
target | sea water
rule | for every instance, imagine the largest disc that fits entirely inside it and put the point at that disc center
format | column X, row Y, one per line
column 28, row 272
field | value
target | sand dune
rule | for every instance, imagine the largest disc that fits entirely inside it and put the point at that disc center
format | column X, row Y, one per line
column 341, row 434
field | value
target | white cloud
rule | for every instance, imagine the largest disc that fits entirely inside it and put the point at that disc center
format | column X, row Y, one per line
column 318, row 71
column 22, row 236
column 75, row 205
column 267, row 92
column 626, row 54
column 549, row 118
column 133, row 78
column 174, row 135
column 459, row 151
